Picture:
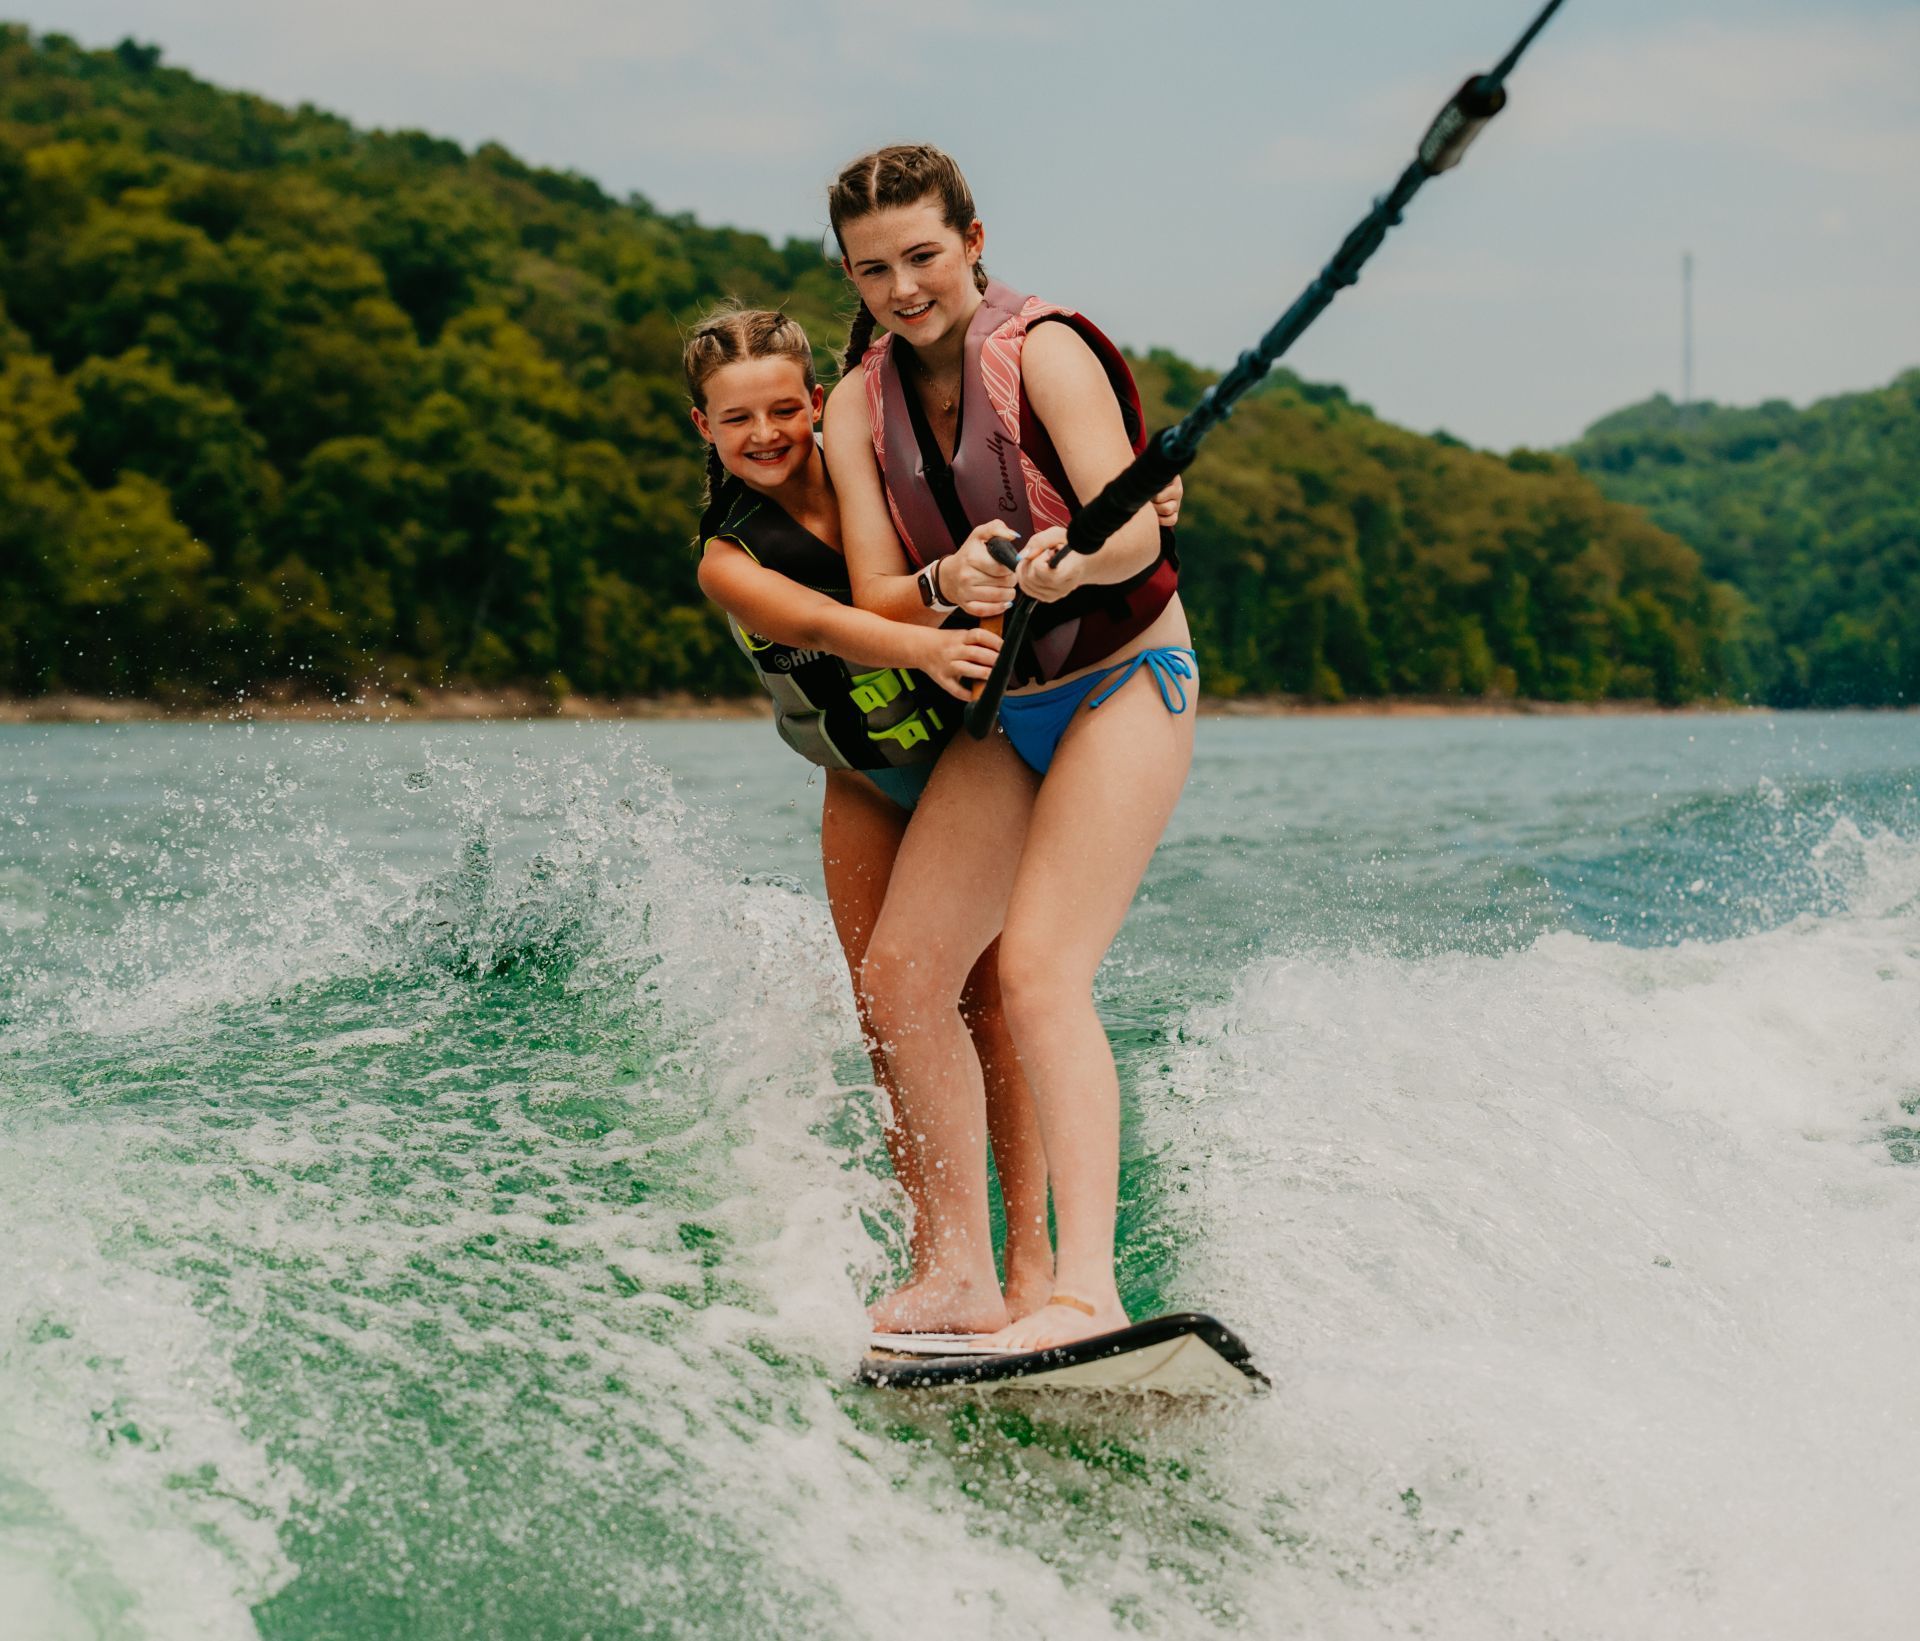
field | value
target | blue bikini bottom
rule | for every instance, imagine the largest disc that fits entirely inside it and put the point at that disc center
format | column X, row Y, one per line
column 1036, row 722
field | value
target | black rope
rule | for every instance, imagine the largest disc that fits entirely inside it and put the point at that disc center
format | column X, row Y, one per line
column 1171, row 450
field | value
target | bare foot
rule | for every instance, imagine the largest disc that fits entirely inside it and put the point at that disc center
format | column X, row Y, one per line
column 936, row 1305
column 1029, row 1285
column 1057, row 1324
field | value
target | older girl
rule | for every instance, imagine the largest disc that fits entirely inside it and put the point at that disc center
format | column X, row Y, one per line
column 985, row 413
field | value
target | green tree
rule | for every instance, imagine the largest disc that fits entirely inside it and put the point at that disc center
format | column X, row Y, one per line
column 131, row 583
column 133, row 416
column 1810, row 514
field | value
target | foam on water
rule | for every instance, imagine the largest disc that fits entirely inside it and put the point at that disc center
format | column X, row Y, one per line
column 454, row 1221
column 1594, row 1258
column 469, row 1239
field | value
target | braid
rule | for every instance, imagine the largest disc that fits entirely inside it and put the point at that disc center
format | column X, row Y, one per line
column 859, row 335
column 716, row 478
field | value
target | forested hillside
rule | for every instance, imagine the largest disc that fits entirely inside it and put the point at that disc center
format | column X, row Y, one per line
column 1814, row 514
column 285, row 400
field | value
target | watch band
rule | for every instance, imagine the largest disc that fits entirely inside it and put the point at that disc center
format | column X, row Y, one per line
column 930, row 595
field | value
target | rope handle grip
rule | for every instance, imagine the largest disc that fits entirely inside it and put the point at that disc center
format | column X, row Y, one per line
column 1126, row 493
column 1006, row 553
column 984, row 708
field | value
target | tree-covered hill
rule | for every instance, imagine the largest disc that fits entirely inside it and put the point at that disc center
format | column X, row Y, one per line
column 285, row 400
column 1328, row 553
column 1813, row 514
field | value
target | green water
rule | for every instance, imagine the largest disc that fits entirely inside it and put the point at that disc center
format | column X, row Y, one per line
column 438, row 1187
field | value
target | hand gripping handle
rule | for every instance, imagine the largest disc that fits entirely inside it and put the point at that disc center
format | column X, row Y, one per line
column 1126, row 493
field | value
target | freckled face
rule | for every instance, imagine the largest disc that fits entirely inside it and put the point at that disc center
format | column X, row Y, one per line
column 914, row 273
column 759, row 418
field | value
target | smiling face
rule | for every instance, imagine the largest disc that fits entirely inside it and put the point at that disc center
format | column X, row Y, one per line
column 913, row 271
column 759, row 418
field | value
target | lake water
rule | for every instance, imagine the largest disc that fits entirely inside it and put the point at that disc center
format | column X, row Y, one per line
column 438, row 1188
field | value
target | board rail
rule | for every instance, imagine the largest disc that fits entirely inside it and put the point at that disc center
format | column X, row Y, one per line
column 1097, row 1364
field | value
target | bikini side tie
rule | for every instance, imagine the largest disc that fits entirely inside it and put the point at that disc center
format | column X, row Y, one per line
column 1168, row 666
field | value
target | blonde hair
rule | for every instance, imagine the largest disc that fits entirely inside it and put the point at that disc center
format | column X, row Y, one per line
column 727, row 335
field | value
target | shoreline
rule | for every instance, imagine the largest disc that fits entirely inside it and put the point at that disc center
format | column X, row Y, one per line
column 513, row 705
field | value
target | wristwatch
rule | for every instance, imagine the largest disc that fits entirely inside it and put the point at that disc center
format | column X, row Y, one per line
column 929, row 580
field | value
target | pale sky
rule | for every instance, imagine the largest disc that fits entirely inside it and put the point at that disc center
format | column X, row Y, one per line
column 1179, row 173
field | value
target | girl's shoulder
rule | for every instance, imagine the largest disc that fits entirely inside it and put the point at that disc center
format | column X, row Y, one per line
column 1059, row 343
column 1058, row 360
column 849, row 389
column 849, row 404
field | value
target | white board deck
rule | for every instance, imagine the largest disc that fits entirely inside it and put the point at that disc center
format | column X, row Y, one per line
column 1186, row 1354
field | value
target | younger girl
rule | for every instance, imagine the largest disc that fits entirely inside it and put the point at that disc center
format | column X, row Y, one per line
column 871, row 700
column 985, row 405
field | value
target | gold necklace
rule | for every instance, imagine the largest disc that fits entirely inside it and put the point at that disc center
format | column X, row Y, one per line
column 933, row 387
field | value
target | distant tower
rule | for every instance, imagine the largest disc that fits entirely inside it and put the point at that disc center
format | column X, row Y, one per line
column 1686, row 330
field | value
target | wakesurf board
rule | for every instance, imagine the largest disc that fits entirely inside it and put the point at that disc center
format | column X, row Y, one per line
column 1185, row 1354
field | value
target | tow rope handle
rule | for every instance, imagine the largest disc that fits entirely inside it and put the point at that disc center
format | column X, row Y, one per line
column 1007, row 555
column 1171, row 451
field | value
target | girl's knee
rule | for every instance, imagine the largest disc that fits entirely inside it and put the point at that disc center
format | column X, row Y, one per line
column 899, row 985
column 876, row 979
column 1032, row 983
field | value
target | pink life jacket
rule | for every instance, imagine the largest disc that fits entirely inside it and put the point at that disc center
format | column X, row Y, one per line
column 1005, row 466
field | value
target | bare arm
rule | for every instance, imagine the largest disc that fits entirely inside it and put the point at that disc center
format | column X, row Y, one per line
column 882, row 579
column 771, row 605
column 1071, row 395
column 876, row 562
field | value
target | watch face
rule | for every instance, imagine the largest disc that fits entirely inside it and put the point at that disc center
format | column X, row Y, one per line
column 925, row 579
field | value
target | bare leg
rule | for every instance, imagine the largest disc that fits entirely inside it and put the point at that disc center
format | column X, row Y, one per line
column 1018, row 1153
column 860, row 833
column 949, row 895
column 1095, row 824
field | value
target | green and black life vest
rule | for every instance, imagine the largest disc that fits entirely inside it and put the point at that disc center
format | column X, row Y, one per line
column 826, row 711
